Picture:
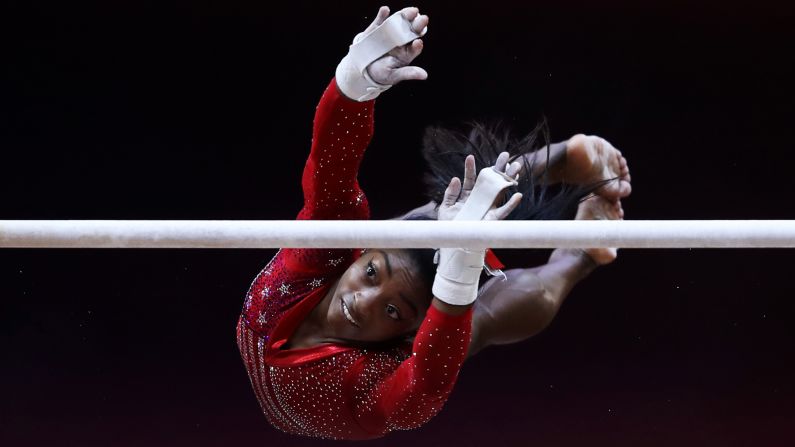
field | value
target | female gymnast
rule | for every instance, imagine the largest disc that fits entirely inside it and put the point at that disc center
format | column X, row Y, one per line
column 353, row 344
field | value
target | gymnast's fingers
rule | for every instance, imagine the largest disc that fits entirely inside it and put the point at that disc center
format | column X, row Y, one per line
column 383, row 13
column 410, row 13
column 503, row 211
column 513, row 170
column 412, row 50
column 420, row 24
column 452, row 192
column 469, row 176
column 406, row 73
column 502, row 160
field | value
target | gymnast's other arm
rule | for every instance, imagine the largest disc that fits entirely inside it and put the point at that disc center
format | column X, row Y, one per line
column 418, row 388
column 455, row 196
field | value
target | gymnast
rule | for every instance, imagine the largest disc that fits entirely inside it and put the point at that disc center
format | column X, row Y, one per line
column 353, row 344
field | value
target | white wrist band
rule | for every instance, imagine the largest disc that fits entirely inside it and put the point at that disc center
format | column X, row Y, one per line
column 351, row 74
column 458, row 275
column 357, row 85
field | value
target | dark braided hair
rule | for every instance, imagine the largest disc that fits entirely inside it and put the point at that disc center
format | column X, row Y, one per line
column 445, row 150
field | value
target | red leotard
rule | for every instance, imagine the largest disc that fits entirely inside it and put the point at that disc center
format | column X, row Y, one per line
column 337, row 391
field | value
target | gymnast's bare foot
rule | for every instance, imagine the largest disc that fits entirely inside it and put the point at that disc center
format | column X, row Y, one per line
column 591, row 159
column 599, row 208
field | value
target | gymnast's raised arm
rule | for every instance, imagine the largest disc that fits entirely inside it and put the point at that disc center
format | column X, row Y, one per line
column 343, row 124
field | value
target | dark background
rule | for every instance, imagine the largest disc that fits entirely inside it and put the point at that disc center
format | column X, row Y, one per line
column 203, row 110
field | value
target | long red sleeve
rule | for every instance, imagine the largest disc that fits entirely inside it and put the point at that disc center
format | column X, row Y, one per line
column 342, row 129
column 336, row 390
column 340, row 135
column 417, row 388
column 421, row 385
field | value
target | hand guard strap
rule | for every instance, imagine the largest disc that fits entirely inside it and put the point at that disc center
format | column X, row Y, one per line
column 351, row 74
column 458, row 274
column 488, row 187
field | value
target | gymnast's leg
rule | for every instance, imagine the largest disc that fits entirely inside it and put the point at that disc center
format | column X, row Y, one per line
column 585, row 160
column 512, row 310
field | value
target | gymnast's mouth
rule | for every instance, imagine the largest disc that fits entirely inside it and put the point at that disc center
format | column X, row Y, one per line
column 347, row 312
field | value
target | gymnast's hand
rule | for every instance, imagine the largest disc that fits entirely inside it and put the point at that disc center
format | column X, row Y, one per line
column 457, row 194
column 394, row 67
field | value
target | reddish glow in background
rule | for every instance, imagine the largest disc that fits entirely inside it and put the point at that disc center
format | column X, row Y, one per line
column 186, row 110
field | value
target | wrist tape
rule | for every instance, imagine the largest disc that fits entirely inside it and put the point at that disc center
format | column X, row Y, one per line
column 458, row 274
column 351, row 74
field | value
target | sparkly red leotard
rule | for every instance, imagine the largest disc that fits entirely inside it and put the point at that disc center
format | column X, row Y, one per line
column 336, row 391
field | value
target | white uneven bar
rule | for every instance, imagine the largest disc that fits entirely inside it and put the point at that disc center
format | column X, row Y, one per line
column 396, row 234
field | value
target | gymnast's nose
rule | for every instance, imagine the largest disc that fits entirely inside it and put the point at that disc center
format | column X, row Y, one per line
column 363, row 302
column 359, row 306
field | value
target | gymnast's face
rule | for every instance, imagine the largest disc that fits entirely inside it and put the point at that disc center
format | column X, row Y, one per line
column 378, row 298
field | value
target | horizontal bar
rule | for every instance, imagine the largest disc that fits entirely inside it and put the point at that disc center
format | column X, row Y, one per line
column 396, row 234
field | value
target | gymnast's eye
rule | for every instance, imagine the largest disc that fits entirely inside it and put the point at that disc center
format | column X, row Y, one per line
column 370, row 270
column 393, row 311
